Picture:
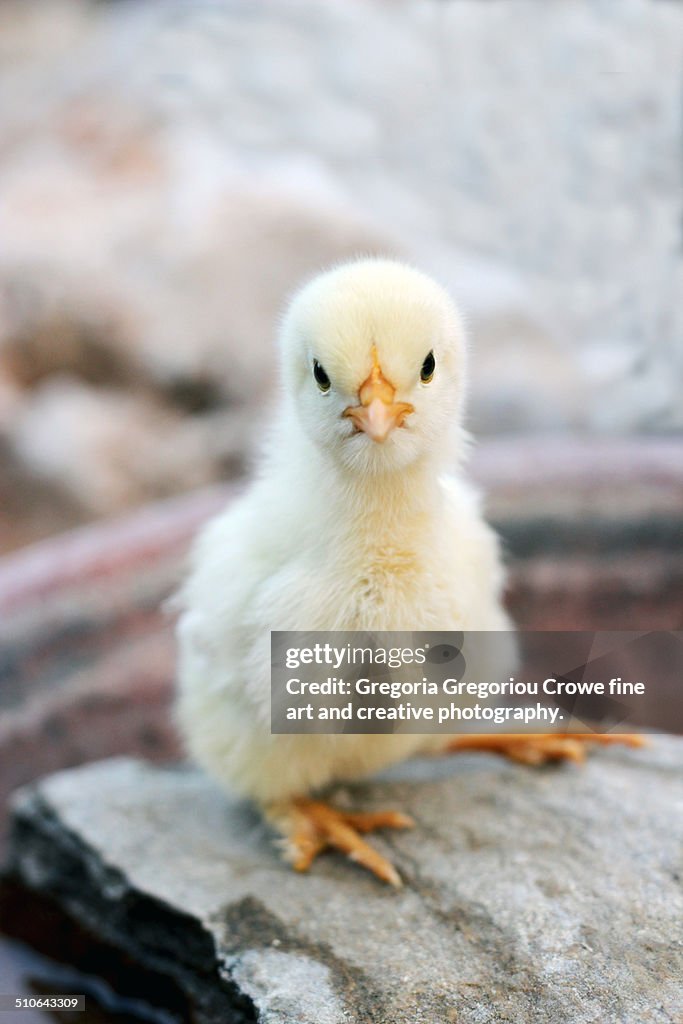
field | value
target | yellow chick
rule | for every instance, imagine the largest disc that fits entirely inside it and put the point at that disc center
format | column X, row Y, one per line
column 353, row 522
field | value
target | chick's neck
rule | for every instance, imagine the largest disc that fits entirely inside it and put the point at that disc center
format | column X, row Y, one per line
column 394, row 508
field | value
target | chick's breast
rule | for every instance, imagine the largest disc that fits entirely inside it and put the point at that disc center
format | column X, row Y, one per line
column 243, row 586
column 261, row 567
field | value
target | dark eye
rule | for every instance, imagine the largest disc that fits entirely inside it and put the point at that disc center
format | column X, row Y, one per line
column 321, row 378
column 428, row 367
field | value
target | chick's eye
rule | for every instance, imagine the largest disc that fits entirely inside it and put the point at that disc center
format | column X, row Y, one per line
column 428, row 367
column 321, row 378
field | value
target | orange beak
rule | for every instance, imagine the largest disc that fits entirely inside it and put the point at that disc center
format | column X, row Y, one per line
column 378, row 413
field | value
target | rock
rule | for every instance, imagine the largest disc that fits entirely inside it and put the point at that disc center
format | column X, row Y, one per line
column 134, row 449
column 530, row 895
column 86, row 642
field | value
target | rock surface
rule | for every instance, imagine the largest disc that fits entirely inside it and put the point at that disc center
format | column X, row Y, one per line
column 537, row 896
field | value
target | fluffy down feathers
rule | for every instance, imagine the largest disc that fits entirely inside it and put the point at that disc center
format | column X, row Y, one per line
column 337, row 531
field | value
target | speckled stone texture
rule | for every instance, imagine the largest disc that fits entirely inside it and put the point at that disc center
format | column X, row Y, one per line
column 544, row 896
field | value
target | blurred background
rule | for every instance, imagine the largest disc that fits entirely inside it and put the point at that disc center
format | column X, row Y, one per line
column 171, row 171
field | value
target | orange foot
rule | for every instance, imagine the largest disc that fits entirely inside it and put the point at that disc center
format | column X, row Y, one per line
column 542, row 747
column 310, row 826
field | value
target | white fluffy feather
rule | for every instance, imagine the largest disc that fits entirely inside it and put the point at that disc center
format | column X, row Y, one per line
column 337, row 531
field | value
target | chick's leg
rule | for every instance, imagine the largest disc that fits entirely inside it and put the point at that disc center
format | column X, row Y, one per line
column 540, row 748
column 310, row 826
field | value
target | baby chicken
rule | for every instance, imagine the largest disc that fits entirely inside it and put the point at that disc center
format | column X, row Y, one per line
column 352, row 523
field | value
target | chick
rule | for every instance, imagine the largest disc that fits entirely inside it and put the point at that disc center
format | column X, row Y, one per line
column 351, row 523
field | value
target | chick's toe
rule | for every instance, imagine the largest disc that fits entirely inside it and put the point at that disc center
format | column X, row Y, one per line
column 543, row 747
column 310, row 826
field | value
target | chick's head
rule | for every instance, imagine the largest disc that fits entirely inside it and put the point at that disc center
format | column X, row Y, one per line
column 374, row 365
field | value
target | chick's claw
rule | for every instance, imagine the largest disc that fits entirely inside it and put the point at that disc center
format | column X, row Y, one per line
column 311, row 826
column 544, row 747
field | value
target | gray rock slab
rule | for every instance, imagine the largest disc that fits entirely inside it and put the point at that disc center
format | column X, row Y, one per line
column 549, row 895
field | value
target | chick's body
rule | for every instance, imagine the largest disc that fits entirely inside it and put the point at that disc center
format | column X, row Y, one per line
column 263, row 565
column 343, row 528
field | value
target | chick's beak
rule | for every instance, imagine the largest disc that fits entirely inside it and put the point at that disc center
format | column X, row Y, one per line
column 378, row 413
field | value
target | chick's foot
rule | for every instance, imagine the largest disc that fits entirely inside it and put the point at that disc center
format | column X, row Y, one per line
column 543, row 747
column 310, row 826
